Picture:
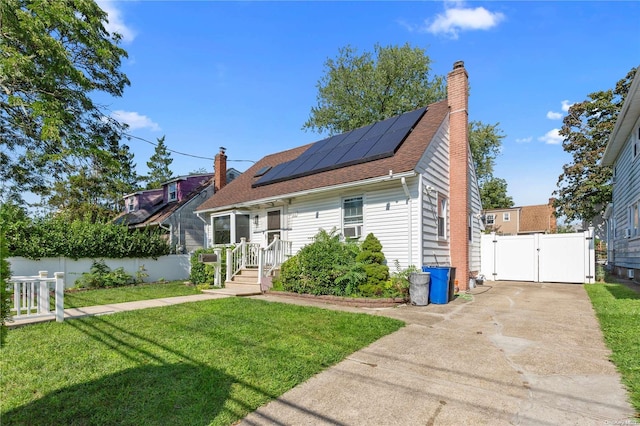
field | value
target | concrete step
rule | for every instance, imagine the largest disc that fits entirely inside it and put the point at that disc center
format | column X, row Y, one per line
column 237, row 290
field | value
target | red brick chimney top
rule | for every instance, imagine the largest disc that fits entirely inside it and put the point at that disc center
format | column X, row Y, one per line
column 220, row 169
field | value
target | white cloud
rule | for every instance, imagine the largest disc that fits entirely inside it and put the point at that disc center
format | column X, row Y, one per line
column 552, row 137
column 524, row 140
column 554, row 115
column 116, row 23
column 135, row 120
column 459, row 18
column 566, row 105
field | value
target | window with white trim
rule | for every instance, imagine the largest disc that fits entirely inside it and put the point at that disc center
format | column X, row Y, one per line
column 442, row 216
column 636, row 144
column 222, row 230
column 634, row 219
column 172, row 190
column 506, row 217
column 352, row 217
column 490, row 218
column 131, row 204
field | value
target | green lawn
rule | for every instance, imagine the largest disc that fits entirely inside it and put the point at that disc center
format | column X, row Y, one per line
column 618, row 310
column 105, row 296
column 199, row 363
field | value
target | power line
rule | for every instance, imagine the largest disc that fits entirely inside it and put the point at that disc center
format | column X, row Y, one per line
column 181, row 153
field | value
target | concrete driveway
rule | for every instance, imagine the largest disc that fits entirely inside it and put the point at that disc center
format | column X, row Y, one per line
column 507, row 353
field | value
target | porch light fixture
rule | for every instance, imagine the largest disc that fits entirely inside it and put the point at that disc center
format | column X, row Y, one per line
column 256, row 220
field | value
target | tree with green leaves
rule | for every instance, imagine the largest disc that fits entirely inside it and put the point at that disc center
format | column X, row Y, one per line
column 362, row 88
column 158, row 165
column 54, row 56
column 584, row 187
column 359, row 89
column 485, row 141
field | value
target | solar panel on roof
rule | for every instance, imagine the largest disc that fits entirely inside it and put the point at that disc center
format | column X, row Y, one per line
column 368, row 143
column 262, row 171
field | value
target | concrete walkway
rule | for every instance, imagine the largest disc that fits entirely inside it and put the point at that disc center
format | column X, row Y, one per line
column 508, row 353
column 114, row 308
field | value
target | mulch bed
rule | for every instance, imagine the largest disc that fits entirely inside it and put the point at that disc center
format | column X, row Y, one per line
column 360, row 302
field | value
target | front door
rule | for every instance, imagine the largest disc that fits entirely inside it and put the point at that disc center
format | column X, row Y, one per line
column 274, row 225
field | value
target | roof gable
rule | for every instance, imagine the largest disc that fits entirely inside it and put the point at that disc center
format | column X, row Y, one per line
column 405, row 158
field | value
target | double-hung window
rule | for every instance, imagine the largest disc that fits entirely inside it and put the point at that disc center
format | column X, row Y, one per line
column 490, row 219
column 506, row 217
column 352, row 217
column 172, row 190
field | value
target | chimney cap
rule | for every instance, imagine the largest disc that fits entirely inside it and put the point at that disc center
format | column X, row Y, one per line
column 222, row 150
column 458, row 64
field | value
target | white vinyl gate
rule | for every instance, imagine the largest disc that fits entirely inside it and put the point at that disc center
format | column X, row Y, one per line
column 558, row 258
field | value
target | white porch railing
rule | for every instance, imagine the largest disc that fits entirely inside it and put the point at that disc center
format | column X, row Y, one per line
column 31, row 295
column 251, row 255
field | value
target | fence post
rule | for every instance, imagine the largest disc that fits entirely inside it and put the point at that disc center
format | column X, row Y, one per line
column 229, row 264
column 18, row 288
column 243, row 250
column 218, row 268
column 43, row 293
column 260, row 265
column 59, row 296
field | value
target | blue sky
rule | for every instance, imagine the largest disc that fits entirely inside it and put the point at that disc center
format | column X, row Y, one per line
column 243, row 75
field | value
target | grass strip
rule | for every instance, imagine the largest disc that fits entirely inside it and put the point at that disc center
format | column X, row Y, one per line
column 618, row 310
column 209, row 362
column 106, row 296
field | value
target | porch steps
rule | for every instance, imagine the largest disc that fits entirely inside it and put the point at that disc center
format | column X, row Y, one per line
column 244, row 283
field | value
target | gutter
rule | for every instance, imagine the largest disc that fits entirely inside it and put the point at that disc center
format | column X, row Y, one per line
column 386, row 178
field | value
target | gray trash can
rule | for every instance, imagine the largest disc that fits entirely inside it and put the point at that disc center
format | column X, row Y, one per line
column 419, row 288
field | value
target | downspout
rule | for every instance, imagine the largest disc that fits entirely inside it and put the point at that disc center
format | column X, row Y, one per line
column 204, row 243
column 170, row 229
column 410, row 225
column 420, row 230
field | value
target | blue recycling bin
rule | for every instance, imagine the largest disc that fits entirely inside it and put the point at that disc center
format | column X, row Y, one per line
column 439, row 284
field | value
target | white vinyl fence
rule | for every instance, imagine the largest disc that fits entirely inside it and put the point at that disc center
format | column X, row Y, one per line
column 559, row 258
column 170, row 268
column 31, row 295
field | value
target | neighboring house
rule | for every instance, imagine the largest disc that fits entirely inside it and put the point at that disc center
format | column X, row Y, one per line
column 409, row 180
column 172, row 207
column 523, row 220
column 623, row 214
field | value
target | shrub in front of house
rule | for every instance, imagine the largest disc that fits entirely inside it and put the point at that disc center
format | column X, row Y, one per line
column 101, row 276
column 326, row 266
column 329, row 266
column 373, row 261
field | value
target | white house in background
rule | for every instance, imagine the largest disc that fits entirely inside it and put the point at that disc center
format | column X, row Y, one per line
column 409, row 180
column 623, row 214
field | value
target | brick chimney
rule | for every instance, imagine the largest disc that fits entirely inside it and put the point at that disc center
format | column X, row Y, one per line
column 459, row 202
column 220, row 170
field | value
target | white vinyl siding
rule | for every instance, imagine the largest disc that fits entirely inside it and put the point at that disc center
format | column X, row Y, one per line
column 385, row 214
column 626, row 194
column 476, row 220
column 434, row 167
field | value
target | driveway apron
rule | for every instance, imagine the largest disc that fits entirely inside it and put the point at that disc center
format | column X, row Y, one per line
column 507, row 353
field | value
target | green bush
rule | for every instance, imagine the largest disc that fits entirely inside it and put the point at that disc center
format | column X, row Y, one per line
column 56, row 236
column 101, row 276
column 372, row 258
column 316, row 267
column 5, row 294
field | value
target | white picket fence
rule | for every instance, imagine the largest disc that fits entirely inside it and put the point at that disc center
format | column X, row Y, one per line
column 31, row 295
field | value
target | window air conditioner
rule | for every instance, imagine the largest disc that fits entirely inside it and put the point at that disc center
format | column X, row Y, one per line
column 352, row 231
column 627, row 233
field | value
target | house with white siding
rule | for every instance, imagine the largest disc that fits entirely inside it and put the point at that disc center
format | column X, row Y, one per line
column 622, row 215
column 409, row 180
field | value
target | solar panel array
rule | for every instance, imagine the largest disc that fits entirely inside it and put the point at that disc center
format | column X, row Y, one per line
column 373, row 142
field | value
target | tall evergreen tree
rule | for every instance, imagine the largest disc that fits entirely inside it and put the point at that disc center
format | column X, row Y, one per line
column 158, row 165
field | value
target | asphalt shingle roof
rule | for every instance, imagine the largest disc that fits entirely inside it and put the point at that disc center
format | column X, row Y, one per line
column 405, row 159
